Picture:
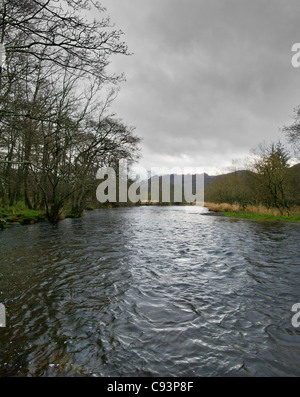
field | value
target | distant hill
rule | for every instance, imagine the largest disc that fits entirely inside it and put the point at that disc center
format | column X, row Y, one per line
column 209, row 179
column 295, row 168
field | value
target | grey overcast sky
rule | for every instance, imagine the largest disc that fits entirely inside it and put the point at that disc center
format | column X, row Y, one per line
column 209, row 79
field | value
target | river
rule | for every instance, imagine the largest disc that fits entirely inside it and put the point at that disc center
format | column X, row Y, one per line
column 150, row 291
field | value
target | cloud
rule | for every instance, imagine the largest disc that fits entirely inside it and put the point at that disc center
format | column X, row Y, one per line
column 208, row 79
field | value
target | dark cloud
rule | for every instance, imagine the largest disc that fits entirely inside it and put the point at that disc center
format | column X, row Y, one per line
column 209, row 79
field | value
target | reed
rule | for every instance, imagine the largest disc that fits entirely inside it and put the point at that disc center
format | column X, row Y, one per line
column 252, row 209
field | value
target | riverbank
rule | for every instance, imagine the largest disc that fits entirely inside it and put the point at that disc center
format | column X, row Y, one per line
column 20, row 214
column 15, row 215
column 258, row 212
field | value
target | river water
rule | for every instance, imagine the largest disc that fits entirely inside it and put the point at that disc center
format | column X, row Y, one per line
column 150, row 291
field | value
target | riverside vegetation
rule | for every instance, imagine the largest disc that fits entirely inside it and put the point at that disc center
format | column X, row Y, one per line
column 268, row 189
column 255, row 212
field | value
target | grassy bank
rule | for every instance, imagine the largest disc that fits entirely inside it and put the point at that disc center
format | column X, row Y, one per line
column 19, row 214
column 255, row 212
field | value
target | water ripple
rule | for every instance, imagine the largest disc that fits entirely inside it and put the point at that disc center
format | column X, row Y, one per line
column 150, row 292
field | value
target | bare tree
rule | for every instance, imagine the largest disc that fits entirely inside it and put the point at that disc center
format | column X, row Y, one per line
column 61, row 32
column 55, row 128
column 293, row 131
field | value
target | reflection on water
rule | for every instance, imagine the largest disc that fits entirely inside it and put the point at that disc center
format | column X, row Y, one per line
column 154, row 291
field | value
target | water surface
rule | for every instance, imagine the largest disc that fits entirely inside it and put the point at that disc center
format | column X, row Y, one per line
column 150, row 291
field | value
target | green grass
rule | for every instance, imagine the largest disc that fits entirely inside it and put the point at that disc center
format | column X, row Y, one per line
column 19, row 214
column 244, row 215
